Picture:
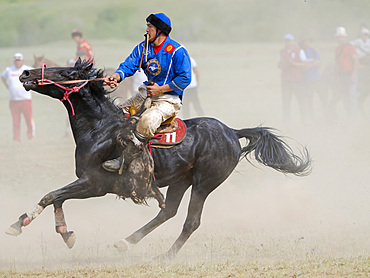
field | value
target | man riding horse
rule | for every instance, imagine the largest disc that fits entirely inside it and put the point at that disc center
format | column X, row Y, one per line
column 166, row 64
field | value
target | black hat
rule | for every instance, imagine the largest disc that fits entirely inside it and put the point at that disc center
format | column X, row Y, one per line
column 161, row 21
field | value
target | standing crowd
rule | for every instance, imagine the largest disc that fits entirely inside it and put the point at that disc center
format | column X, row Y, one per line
column 301, row 76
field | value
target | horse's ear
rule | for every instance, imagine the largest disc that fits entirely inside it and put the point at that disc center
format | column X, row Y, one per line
column 78, row 61
column 87, row 69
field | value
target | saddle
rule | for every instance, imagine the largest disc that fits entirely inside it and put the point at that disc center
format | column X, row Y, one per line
column 169, row 134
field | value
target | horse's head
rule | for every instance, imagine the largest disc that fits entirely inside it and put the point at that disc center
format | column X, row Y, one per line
column 32, row 79
column 38, row 61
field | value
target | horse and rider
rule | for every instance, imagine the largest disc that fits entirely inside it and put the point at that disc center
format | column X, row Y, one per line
column 204, row 159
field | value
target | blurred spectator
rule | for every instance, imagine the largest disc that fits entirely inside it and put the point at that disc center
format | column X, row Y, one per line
column 82, row 45
column 291, row 63
column 312, row 78
column 362, row 45
column 191, row 93
column 346, row 77
column 138, row 79
column 70, row 62
column 20, row 99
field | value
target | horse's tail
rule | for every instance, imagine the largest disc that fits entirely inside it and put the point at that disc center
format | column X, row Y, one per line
column 270, row 150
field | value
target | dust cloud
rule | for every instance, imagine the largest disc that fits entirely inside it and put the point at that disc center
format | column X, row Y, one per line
column 257, row 214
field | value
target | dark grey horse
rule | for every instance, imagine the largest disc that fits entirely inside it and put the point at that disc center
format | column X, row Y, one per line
column 205, row 158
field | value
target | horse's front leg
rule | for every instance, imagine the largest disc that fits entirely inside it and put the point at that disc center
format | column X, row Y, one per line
column 61, row 227
column 79, row 189
column 24, row 220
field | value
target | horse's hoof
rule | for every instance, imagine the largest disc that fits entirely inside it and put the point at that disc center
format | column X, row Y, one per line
column 163, row 206
column 122, row 245
column 14, row 230
column 69, row 238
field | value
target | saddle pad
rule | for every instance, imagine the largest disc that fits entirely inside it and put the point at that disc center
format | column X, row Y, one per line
column 170, row 139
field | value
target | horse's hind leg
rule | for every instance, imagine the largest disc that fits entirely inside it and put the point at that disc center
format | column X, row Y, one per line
column 173, row 198
column 192, row 222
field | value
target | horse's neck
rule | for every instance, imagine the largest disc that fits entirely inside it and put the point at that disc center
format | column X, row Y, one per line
column 89, row 117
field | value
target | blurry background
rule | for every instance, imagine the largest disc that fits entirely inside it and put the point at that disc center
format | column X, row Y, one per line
column 257, row 214
column 33, row 22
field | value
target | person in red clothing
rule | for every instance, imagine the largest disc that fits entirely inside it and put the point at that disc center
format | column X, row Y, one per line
column 292, row 65
column 82, row 45
column 346, row 78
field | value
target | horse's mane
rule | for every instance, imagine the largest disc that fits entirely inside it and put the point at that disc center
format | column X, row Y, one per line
column 97, row 89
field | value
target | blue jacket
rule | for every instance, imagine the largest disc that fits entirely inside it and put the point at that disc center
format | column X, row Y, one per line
column 171, row 65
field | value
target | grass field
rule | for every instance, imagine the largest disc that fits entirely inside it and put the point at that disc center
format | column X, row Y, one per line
column 259, row 223
column 354, row 267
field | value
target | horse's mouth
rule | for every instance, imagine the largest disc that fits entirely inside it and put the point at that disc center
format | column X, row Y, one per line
column 29, row 85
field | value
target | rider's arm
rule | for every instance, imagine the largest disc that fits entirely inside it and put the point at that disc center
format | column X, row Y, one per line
column 126, row 68
column 182, row 69
column 156, row 90
column 131, row 64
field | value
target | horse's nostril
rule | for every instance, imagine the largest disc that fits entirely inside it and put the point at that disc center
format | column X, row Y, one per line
column 26, row 73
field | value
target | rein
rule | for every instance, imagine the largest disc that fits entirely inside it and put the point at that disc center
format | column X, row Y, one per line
column 67, row 90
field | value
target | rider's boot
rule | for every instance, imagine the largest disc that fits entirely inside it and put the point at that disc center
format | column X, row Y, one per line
column 113, row 165
column 133, row 149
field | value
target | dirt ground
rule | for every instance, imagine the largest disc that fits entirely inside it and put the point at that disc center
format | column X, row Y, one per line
column 257, row 216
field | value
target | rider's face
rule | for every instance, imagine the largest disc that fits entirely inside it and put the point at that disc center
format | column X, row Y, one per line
column 151, row 31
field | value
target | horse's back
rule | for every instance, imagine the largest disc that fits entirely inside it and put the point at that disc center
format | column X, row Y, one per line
column 216, row 142
column 211, row 129
column 209, row 146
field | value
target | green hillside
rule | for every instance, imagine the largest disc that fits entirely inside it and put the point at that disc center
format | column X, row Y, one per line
column 33, row 22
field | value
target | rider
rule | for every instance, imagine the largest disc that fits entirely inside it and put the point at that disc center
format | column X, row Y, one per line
column 167, row 64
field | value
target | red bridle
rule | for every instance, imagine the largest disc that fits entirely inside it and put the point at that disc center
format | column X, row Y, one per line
column 67, row 90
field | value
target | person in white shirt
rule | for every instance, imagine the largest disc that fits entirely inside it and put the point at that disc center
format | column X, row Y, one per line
column 138, row 79
column 362, row 45
column 20, row 99
column 191, row 93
